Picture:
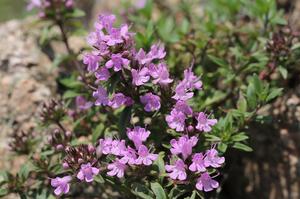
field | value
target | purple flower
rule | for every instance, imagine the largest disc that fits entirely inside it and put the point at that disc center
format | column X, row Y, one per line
column 157, row 51
column 101, row 97
column 129, row 156
column 192, row 81
column 114, row 37
column 138, row 135
column 182, row 92
column 139, row 4
column 140, row 77
column 183, row 107
column 141, row 57
column 105, row 146
column 160, row 74
column 118, row 147
column 206, row 183
column 106, row 21
column 212, row 159
column 183, row 146
column 204, row 124
column 102, row 74
column 69, row 3
column 145, row 157
column 34, row 4
column 198, row 163
column 151, row 102
column 117, row 62
column 82, row 104
column 176, row 120
column 87, row 172
column 119, row 99
column 177, row 171
column 61, row 184
column 116, row 168
column 92, row 62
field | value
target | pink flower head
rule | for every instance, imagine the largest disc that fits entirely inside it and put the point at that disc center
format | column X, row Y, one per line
column 183, row 107
column 198, row 163
column 212, row 159
column 102, row 74
column 118, row 147
column 157, row 51
column 177, row 171
column 140, row 77
column 139, row 4
column 182, row 92
column 160, row 74
column 92, row 62
column 151, row 102
column 116, row 168
column 82, row 104
column 141, row 57
column 115, row 37
column 206, row 183
column 145, row 157
column 34, row 4
column 106, row 21
column 61, row 185
column 176, row 120
column 138, row 135
column 204, row 124
column 101, row 97
column 183, row 145
column 87, row 172
column 69, row 3
column 119, row 99
column 129, row 156
column 192, row 81
column 117, row 62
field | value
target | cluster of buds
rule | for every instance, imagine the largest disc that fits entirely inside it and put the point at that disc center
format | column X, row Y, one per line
column 21, row 141
column 46, row 7
column 59, row 139
column 76, row 156
column 52, row 111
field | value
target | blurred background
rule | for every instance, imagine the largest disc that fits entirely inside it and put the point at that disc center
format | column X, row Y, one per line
column 272, row 171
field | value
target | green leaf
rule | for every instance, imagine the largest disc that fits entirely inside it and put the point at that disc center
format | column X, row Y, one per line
column 25, row 171
column 251, row 96
column 158, row 191
column 239, row 137
column 76, row 14
column 161, row 165
column 242, row 104
column 241, row 146
column 70, row 94
column 141, row 191
column 97, row 132
column 99, row 179
column 222, row 147
column 283, row 71
column 3, row 192
column 218, row 61
column 70, row 82
column 274, row 93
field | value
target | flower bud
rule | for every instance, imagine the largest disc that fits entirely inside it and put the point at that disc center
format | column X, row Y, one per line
column 59, row 147
column 65, row 165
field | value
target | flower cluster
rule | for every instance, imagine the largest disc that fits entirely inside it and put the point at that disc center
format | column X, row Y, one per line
column 127, row 155
column 126, row 76
column 197, row 163
column 115, row 54
column 44, row 5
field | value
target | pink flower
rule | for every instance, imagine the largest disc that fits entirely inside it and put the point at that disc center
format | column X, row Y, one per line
column 116, row 168
column 198, row 163
column 138, row 135
column 118, row 147
column 212, row 159
column 61, row 184
column 102, row 74
column 183, row 107
column 176, row 120
column 183, row 146
column 92, row 62
column 182, row 92
column 110, row 146
column 204, row 124
column 34, row 4
column 157, row 51
column 160, row 74
column 117, row 62
column 106, row 21
column 119, row 99
column 82, row 104
column 139, row 4
column 206, row 183
column 87, row 172
column 101, row 97
column 177, row 171
column 151, row 102
column 145, row 157
column 114, row 37
column 141, row 57
column 129, row 156
column 192, row 81
column 140, row 77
